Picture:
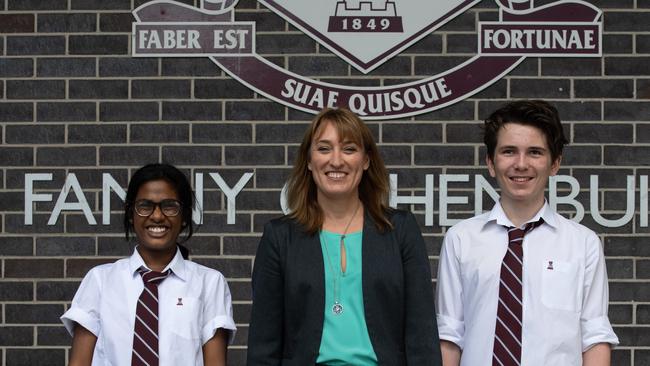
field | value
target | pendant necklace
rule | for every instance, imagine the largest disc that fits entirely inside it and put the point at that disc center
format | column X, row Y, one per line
column 337, row 308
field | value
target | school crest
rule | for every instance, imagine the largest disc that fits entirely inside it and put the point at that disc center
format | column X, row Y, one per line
column 367, row 33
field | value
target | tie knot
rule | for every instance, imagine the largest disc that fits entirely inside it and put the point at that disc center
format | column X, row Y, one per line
column 152, row 277
column 516, row 235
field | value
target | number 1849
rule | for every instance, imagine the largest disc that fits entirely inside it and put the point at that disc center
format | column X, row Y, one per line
column 364, row 24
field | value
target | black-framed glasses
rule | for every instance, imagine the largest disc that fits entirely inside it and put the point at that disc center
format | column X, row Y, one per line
column 169, row 207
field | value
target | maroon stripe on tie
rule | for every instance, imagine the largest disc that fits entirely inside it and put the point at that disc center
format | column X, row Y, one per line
column 510, row 318
column 150, row 295
column 508, row 339
column 145, row 332
column 148, row 315
column 512, row 261
column 143, row 352
column 503, row 356
column 510, row 305
column 508, row 328
column 510, row 278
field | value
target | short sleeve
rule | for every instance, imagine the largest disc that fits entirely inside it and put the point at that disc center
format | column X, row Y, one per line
column 595, row 324
column 217, row 309
column 84, row 309
column 449, row 291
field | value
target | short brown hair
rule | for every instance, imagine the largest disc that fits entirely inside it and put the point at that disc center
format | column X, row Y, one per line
column 536, row 113
column 374, row 187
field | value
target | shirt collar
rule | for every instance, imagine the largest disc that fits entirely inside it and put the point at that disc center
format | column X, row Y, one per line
column 177, row 264
column 498, row 216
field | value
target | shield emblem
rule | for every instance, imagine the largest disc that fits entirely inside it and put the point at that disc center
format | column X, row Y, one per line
column 367, row 33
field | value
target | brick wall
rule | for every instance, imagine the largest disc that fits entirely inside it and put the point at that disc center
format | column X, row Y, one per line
column 72, row 100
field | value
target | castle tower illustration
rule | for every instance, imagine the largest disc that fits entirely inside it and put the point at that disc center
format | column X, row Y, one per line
column 365, row 7
column 365, row 16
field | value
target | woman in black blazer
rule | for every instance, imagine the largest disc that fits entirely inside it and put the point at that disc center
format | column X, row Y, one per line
column 343, row 279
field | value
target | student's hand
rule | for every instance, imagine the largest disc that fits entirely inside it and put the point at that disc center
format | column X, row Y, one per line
column 214, row 350
column 83, row 347
column 598, row 355
column 450, row 353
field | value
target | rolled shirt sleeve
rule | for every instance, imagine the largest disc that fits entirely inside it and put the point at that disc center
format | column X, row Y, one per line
column 595, row 325
column 449, row 293
column 85, row 305
column 217, row 310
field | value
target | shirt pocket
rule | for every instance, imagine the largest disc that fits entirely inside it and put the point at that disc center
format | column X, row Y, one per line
column 186, row 317
column 560, row 287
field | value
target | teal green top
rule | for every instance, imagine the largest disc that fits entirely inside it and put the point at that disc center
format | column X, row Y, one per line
column 345, row 339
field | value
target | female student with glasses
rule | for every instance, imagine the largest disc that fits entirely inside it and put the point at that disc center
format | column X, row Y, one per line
column 155, row 307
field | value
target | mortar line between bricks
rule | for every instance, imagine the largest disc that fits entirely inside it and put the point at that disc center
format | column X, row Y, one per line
column 34, row 347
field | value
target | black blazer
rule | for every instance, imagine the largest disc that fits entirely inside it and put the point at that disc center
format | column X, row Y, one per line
column 289, row 295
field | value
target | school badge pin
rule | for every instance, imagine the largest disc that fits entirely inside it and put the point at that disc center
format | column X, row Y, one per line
column 367, row 33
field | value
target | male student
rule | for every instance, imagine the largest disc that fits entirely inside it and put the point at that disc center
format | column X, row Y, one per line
column 522, row 285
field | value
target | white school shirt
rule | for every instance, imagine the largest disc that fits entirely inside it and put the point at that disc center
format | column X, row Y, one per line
column 565, row 291
column 194, row 301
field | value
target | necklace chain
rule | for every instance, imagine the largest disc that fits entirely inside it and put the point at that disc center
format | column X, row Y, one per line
column 345, row 231
column 337, row 308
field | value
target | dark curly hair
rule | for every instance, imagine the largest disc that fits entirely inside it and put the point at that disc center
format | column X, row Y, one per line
column 536, row 113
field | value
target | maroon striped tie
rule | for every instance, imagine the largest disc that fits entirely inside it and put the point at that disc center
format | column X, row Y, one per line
column 145, row 334
column 507, row 334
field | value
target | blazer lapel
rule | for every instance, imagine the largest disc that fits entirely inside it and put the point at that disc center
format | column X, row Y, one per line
column 309, row 276
column 370, row 237
column 312, row 256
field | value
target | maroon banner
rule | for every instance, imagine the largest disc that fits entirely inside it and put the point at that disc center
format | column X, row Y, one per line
column 407, row 99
